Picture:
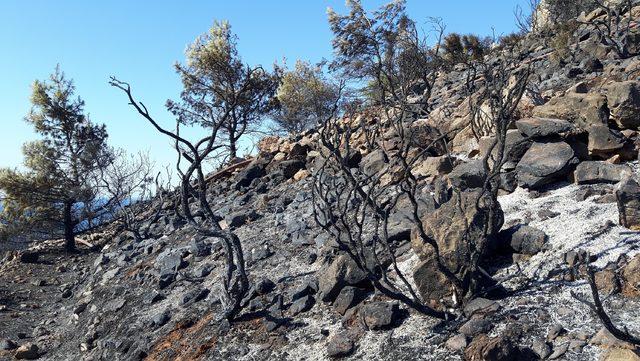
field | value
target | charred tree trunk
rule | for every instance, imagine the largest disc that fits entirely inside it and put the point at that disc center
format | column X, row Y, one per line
column 69, row 225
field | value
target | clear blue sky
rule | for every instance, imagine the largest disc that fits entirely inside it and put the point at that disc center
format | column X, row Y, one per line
column 139, row 41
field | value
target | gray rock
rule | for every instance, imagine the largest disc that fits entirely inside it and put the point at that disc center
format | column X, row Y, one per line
column 468, row 175
column 524, row 239
column 480, row 306
column 340, row 345
column 475, row 326
column 379, row 315
column 254, row 170
column 544, row 163
column 161, row 318
column 349, row 296
column 604, row 142
column 628, row 200
column 300, row 305
column 541, row 348
column 343, row 271
column 457, row 342
column 624, row 103
column 27, row 351
column 7, row 345
column 590, row 172
column 543, row 127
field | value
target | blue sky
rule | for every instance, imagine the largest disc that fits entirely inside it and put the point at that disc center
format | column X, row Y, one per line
column 139, row 41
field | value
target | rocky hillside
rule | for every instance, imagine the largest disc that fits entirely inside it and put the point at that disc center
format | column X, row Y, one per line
column 570, row 195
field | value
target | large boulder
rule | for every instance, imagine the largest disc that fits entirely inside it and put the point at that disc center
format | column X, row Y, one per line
column 468, row 175
column 457, row 227
column 516, row 145
column 628, row 198
column 522, row 239
column 543, row 127
column 254, row 170
column 544, row 163
column 624, row 103
column 590, row 172
column 583, row 110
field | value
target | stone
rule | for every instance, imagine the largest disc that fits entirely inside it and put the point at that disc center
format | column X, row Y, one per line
column 29, row 257
column 433, row 166
column 631, row 278
column 487, row 348
column 516, row 145
column 628, row 200
column 264, row 286
column 523, row 239
column 475, row 326
column 160, row 319
column 543, row 127
column 289, row 168
column 541, row 348
column 590, row 172
column 544, row 163
column 583, row 110
column 623, row 99
column 452, row 226
column 300, row 305
column 480, row 306
column 604, row 142
column 468, row 175
column 607, row 281
column 340, row 345
column 343, row 271
column 555, row 331
column 457, row 342
column 7, row 345
column 27, row 351
column 374, row 162
column 605, row 339
column 348, row 297
column 620, row 354
column 255, row 169
column 559, row 351
column 308, row 287
column 379, row 315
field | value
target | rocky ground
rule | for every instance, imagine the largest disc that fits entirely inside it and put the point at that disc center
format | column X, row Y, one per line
column 570, row 197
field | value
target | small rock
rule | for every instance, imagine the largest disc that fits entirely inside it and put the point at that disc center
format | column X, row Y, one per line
column 541, row 348
column 303, row 304
column 378, row 315
column 340, row 345
column 27, row 351
column 457, row 342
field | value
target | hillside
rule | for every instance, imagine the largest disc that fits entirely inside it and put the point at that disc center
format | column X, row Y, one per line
column 568, row 201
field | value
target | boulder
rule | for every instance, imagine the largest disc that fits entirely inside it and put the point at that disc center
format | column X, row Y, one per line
column 583, row 110
column 624, row 103
column 379, row 315
column 374, row 162
column 27, row 351
column 433, row 166
column 454, row 226
column 543, row 127
column 544, row 163
column 468, row 175
column 604, row 142
column 590, row 172
column 288, row 168
column 254, row 170
column 340, row 345
column 522, row 239
column 343, row 271
column 628, row 199
column 300, row 305
column 487, row 348
column 620, row 354
column 349, row 296
column 631, row 278
column 516, row 145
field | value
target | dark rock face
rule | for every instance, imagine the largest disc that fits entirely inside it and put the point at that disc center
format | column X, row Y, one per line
column 628, row 198
column 590, row 172
column 544, row 163
column 543, row 127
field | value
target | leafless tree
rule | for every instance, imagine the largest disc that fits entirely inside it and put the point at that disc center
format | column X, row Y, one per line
column 615, row 27
column 193, row 184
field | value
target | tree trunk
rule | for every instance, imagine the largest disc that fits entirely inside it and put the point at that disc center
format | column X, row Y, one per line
column 233, row 151
column 69, row 236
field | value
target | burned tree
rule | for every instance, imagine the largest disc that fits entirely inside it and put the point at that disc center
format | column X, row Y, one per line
column 193, row 184
column 356, row 203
